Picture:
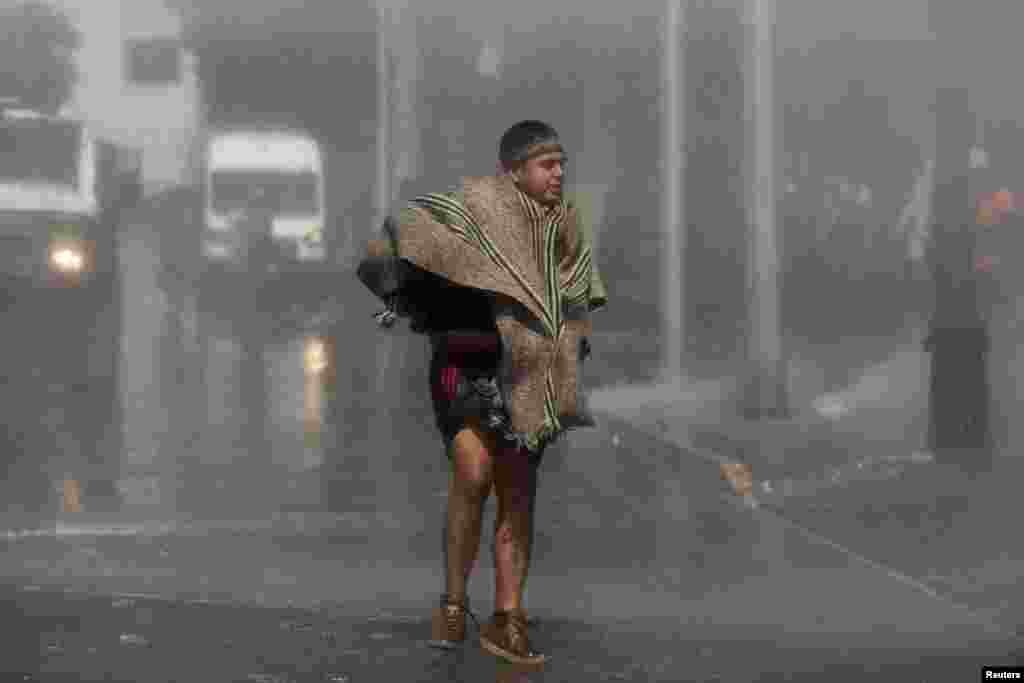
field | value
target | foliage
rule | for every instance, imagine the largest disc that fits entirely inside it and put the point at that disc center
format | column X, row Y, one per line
column 37, row 47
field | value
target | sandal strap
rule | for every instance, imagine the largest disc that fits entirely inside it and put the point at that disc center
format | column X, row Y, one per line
column 463, row 605
column 446, row 599
column 513, row 626
column 514, row 617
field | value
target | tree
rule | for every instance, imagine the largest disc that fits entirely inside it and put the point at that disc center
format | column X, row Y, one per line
column 37, row 46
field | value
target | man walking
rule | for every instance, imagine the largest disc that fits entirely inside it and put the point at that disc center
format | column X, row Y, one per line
column 499, row 274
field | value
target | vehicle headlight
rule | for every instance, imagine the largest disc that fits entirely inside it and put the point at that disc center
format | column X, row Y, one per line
column 67, row 257
column 315, row 356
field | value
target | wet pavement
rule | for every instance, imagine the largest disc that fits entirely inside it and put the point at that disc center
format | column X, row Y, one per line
column 78, row 637
column 643, row 572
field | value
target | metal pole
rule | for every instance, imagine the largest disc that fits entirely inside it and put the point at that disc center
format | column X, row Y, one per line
column 958, row 339
column 396, row 73
column 382, row 201
column 768, row 387
column 673, row 224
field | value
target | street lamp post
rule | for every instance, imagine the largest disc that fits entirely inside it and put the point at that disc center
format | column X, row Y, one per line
column 958, row 339
column 767, row 389
column 382, row 187
column 673, row 224
column 397, row 161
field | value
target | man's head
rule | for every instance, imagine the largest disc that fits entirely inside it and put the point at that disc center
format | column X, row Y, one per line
column 532, row 154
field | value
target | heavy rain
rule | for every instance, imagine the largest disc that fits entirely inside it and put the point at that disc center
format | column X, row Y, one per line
column 219, row 464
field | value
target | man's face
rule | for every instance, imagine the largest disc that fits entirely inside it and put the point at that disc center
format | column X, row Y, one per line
column 541, row 176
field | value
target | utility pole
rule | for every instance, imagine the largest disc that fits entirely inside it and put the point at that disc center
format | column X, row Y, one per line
column 387, row 381
column 673, row 220
column 359, row 377
column 398, row 160
column 382, row 187
column 958, row 339
column 767, row 389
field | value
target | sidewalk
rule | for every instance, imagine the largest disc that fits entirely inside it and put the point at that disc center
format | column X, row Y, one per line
column 850, row 466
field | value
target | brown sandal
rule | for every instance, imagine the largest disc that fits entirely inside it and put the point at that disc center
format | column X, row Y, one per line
column 505, row 636
column 448, row 625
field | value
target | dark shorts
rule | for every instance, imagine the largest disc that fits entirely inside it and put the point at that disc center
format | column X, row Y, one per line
column 464, row 387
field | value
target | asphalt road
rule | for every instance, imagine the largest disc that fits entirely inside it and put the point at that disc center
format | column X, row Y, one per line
column 641, row 574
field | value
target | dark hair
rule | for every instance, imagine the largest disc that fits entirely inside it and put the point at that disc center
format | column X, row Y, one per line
column 518, row 140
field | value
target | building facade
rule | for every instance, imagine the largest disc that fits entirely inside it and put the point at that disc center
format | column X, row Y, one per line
column 136, row 84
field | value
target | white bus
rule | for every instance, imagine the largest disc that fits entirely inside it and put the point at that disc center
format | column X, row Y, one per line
column 265, row 187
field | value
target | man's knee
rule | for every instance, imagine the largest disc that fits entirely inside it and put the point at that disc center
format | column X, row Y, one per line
column 472, row 466
column 504, row 534
column 514, row 529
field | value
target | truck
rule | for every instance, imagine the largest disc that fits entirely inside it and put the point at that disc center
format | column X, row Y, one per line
column 264, row 231
column 63, row 189
column 260, row 214
column 263, row 196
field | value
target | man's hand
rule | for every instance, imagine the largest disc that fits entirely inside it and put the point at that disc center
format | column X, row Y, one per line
column 386, row 318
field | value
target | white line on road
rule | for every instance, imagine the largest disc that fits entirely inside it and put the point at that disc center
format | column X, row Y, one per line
column 750, row 504
column 170, row 597
column 986, row 618
column 115, row 596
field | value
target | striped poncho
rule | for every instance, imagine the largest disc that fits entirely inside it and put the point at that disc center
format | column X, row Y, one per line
column 490, row 236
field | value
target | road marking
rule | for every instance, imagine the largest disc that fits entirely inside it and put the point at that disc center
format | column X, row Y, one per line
column 352, row 520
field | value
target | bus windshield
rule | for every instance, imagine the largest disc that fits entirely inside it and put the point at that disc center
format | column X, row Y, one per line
column 39, row 151
column 277, row 192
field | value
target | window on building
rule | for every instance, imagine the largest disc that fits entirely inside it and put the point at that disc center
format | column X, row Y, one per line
column 154, row 61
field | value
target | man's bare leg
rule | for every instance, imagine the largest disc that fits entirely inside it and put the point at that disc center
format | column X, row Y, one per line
column 515, row 481
column 469, row 486
column 505, row 635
